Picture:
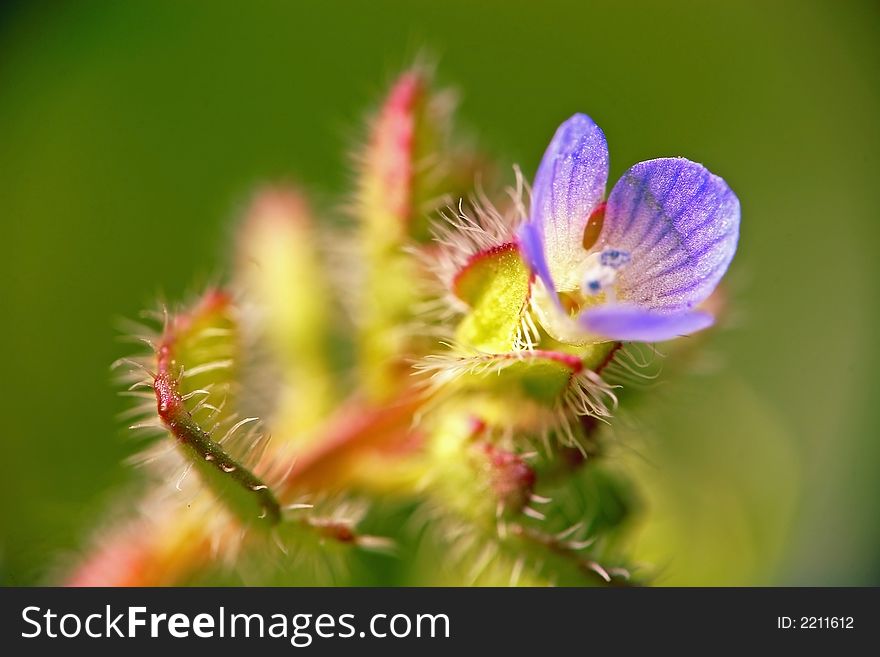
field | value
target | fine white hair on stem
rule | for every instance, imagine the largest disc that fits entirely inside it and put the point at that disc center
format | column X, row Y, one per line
column 635, row 365
column 587, row 393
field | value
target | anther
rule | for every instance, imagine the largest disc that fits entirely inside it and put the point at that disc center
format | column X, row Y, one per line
column 601, row 270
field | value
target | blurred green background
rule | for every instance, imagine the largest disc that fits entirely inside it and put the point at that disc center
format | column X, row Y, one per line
column 132, row 132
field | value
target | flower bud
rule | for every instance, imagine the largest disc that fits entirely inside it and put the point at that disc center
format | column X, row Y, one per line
column 287, row 309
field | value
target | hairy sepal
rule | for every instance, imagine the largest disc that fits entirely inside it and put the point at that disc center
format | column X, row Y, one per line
column 485, row 510
column 196, row 362
column 288, row 312
column 495, row 285
column 409, row 168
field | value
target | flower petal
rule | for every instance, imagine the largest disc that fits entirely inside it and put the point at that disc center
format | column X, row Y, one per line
column 680, row 224
column 532, row 249
column 630, row 322
column 569, row 185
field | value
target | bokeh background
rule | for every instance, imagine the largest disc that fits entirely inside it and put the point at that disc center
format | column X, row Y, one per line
column 130, row 133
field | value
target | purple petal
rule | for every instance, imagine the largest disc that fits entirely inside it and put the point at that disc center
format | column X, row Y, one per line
column 569, row 185
column 680, row 224
column 532, row 250
column 630, row 322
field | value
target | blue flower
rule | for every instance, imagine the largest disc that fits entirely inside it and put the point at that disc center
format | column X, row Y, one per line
column 636, row 267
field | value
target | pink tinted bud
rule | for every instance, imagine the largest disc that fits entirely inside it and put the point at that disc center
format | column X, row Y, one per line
column 512, row 479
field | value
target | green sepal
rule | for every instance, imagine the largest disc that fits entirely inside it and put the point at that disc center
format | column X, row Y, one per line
column 538, row 375
column 495, row 284
column 196, row 364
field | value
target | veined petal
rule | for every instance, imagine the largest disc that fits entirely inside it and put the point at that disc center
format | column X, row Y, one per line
column 532, row 249
column 680, row 225
column 569, row 185
column 630, row 322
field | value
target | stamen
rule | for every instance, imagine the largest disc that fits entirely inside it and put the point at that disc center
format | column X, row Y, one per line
column 614, row 258
column 601, row 270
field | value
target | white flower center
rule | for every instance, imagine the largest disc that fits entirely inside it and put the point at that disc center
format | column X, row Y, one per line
column 600, row 271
